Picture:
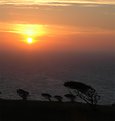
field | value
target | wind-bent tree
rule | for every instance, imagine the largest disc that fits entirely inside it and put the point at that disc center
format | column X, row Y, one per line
column 71, row 97
column 59, row 98
column 85, row 92
column 47, row 96
column 23, row 94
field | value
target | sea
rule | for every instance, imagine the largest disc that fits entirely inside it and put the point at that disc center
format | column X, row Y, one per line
column 47, row 73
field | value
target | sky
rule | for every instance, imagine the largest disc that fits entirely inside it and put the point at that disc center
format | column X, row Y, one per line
column 72, row 25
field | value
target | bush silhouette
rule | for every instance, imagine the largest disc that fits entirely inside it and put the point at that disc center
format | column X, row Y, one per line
column 59, row 98
column 85, row 92
column 71, row 97
column 23, row 94
column 47, row 96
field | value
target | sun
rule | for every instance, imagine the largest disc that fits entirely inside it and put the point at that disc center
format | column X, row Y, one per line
column 29, row 40
column 31, row 33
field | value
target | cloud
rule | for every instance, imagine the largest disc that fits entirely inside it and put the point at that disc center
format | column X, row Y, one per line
column 79, row 15
column 57, row 2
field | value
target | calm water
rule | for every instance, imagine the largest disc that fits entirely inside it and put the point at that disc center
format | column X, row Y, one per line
column 48, row 74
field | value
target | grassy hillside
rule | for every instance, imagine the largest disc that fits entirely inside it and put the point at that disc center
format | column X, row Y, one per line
column 18, row 110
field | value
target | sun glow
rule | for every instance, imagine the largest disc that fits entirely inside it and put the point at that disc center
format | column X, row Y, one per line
column 30, row 29
column 30, row 32
column 29, row 40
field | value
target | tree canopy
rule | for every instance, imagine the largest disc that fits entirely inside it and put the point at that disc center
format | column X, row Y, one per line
column 85, row 92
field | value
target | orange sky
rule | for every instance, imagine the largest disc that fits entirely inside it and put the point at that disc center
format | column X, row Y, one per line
column 55, row 25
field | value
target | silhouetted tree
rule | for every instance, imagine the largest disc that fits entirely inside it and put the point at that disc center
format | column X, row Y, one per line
column 113, row 104
column 59, row 98
column 71, row 97
column 0, row 93
column 47, row 96
column 85, row 92
column 23, row 94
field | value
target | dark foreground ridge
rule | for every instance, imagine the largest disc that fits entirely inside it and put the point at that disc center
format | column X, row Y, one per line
column 20, row 110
